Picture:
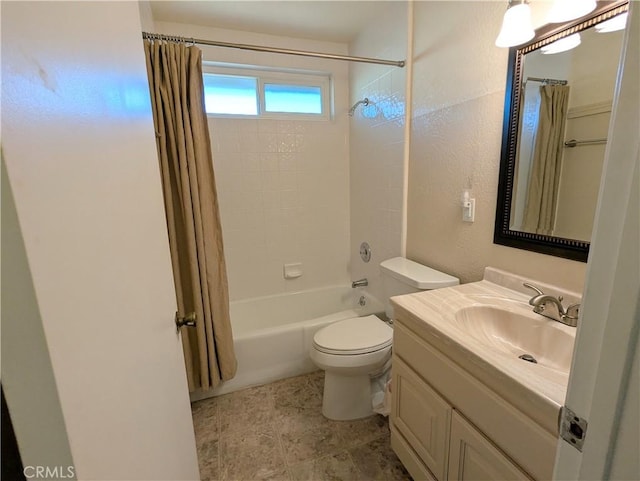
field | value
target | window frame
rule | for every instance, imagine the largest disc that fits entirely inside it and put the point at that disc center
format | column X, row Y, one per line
column 280, row 77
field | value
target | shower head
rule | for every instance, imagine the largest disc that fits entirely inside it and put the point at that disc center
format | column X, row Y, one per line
column 364, row 101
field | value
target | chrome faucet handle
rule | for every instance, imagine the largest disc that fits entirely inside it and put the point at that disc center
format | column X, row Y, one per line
column 570, row 316
column 573, row 311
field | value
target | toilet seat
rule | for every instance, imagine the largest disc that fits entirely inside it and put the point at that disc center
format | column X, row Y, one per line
column 358, row 335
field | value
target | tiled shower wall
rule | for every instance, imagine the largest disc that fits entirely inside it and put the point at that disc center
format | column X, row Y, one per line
column 283, row 191
column 377, row 144
column 283, row 185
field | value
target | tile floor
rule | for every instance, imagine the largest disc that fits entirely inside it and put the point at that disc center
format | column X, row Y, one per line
column 277, row 432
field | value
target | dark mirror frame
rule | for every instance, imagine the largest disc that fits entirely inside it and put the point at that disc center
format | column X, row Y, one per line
column 556, row 246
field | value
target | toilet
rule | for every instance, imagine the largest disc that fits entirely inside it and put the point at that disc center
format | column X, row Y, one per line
column 354, row 352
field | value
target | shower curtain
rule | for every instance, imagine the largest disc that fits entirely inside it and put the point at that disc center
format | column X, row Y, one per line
column 191, row 206
column 542, row 192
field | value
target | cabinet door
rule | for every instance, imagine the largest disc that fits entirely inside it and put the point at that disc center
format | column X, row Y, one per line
column 422, row 417
column 473, row 457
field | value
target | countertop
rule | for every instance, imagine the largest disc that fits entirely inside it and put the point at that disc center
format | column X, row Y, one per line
column 536, row 390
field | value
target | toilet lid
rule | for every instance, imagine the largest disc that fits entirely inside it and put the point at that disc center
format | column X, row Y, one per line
column 358, row 335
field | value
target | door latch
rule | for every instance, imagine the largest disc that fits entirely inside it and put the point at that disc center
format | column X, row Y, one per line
column 189, row 320
column 573, row 429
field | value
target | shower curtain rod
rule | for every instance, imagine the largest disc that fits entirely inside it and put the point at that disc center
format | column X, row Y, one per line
column 259, row 48
column 547, row 80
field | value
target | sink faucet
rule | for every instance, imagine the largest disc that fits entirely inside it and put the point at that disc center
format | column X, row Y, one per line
column 551, row 307
column 360, row 283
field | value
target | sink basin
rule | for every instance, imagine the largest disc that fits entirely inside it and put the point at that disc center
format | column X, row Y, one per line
column 519, row 335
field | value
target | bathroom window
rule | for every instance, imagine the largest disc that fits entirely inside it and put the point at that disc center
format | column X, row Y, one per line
column 244, row 92
column 227, row 94
column 293, row 99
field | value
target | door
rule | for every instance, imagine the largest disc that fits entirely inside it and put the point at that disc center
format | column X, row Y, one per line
column 79, row 148
column 601, row 388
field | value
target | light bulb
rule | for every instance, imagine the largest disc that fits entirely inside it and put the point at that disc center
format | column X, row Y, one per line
column 516, row 26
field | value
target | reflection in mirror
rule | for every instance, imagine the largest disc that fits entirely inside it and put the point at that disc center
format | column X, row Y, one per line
column 566, row 97
column 559, row 106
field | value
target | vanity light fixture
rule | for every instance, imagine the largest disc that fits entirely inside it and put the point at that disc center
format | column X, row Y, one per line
column 565, row 10
column 516, row 25
column 619, row 22
column 562, row 45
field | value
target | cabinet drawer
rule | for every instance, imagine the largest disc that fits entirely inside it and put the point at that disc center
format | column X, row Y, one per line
column 473, row 457
column 422, row 417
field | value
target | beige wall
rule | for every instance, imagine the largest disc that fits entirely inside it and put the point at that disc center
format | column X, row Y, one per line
column 458, row 94
column 594, row 67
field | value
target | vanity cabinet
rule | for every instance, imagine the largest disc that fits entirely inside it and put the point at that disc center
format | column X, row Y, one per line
column 446, row 425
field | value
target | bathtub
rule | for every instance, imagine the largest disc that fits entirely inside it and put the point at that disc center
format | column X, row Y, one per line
column 273, row 334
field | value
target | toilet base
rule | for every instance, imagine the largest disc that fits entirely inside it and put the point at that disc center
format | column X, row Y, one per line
column 346, row 398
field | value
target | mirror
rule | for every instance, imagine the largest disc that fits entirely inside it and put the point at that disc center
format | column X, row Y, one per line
column 556, row 120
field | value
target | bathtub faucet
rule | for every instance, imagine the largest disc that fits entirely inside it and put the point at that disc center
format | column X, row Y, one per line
column 360, row 283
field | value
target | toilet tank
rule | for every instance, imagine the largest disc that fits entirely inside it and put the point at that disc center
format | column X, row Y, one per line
column 403, row 276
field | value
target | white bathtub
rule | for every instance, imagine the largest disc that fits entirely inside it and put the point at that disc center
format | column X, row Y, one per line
column 273, row 334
